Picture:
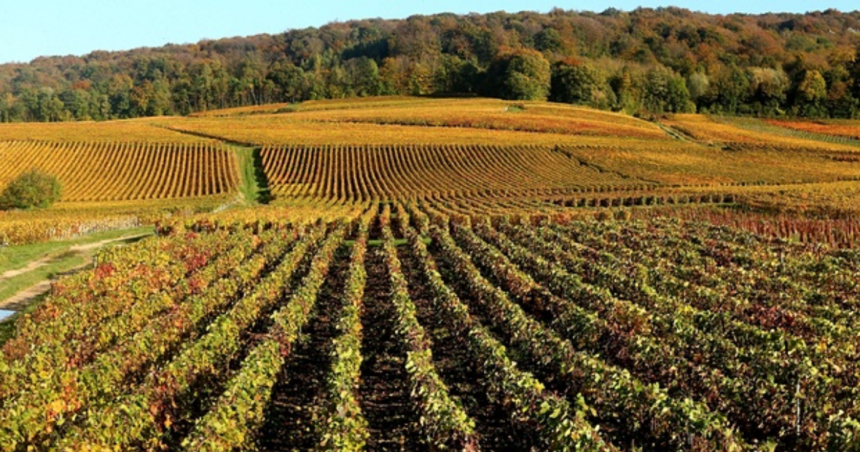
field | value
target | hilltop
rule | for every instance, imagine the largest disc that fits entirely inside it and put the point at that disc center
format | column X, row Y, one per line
column 646, row 61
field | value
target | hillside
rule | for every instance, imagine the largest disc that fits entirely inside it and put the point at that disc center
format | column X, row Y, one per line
column 642, row 61
column 348, row 152
column 414, row 273
column 333, row 148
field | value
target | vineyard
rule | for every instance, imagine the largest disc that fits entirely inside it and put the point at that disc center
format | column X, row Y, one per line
column 735, row 133
column 125, row 171
column 385, row 172
column 117, row 183
column 134, row 130
column 501, row 334
column 537, row 117
column 401, row 274
column 74, row 219
column 843, row 129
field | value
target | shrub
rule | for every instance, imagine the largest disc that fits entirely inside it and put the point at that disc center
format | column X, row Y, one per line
column 33, row 189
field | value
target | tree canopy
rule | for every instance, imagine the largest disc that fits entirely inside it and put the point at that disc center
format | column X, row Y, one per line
column 657, row 60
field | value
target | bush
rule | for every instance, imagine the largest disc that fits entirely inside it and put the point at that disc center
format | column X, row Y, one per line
column 33, row 189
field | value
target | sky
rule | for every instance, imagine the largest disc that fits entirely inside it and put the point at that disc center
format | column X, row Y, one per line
column 33, row 28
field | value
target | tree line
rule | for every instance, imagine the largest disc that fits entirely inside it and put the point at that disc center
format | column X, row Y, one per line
column 646, row 61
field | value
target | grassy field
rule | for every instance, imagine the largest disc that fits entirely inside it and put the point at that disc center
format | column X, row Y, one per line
column 439, row 274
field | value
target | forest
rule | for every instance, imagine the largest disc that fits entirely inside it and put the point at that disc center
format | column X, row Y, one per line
column 642, row 62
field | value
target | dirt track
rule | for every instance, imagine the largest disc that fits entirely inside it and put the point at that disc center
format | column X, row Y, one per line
column 26, row 296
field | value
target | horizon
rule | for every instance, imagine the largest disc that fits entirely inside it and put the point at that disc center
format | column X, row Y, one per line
column 99, row 25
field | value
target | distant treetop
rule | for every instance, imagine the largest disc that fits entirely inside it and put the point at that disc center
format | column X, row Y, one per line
column 643, row 61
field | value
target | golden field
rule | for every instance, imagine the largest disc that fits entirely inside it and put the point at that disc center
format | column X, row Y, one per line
column 355, row 150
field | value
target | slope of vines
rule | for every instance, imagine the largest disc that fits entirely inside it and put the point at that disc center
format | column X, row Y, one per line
column 387, row 172
column 645, row 335
column 121, row 170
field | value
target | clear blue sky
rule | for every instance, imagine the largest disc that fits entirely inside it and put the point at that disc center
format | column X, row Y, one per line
column 32, row 28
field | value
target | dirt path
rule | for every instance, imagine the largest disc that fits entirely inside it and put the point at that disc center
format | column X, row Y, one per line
column 298, row 397
column 21, row 299
column 24, row 297
column 26, row 269
column 76, row 249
